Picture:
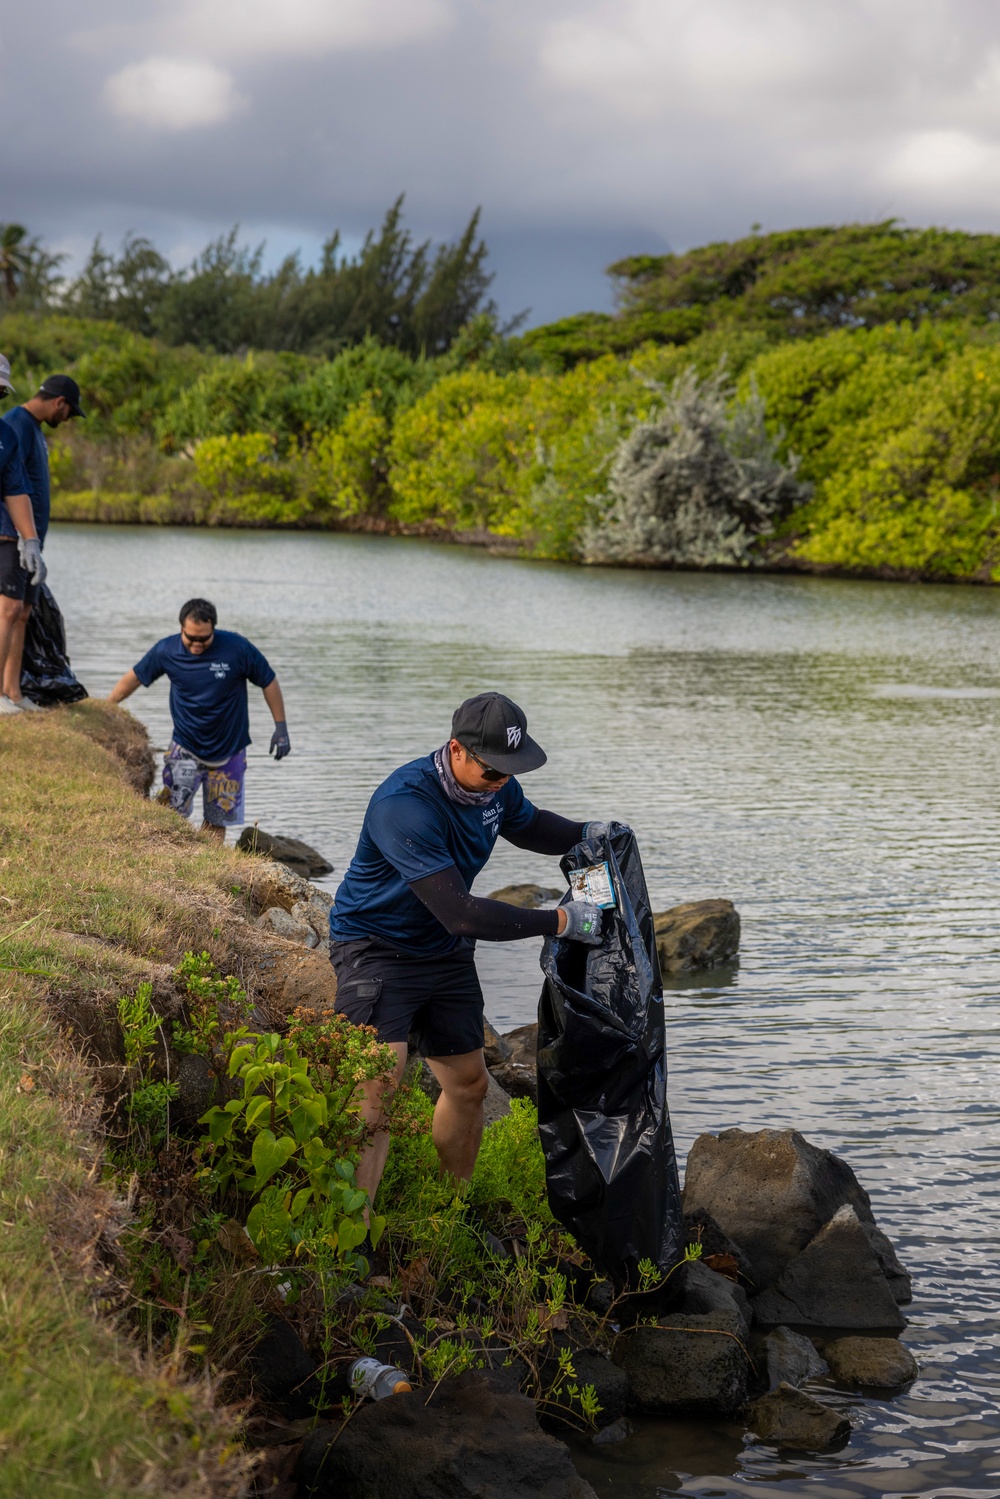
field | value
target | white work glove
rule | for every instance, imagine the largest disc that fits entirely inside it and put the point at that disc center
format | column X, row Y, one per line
column 29, row 554
column 583, row 922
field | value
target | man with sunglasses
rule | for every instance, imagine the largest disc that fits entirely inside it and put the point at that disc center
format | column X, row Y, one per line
column 404, row 924
column 22, row 571
column 208, row 670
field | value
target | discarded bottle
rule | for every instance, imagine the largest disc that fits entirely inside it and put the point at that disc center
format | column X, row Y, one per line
column 368, row 1377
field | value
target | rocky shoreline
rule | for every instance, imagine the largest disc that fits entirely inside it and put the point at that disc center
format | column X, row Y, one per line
column 790, row 1295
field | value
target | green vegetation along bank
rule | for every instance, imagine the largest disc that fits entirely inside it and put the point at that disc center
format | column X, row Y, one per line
column 830, row 403
column 178, row 1132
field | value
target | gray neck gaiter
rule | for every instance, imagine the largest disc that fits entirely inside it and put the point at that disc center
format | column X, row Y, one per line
column 452, row 790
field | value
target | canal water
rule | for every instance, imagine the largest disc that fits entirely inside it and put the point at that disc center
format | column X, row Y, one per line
column 823, row 753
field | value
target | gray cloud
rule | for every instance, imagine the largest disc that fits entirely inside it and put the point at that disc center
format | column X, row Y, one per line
column 585, row 128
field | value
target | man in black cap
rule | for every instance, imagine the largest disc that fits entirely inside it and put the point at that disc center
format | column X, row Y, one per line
column 404, row 924
column 57, row 400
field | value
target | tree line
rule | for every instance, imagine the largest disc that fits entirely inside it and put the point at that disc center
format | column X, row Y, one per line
column 408, row 295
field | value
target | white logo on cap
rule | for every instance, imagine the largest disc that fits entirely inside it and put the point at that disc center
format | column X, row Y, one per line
column 513, row 737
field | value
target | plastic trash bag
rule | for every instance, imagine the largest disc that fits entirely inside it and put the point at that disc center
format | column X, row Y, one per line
column 602, row 1078
column 45, row 670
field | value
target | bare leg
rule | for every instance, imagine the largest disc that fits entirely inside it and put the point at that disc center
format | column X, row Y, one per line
column 15, row 654
column 10, row 610
column 458, row 1114
column 214, row 831
column 377, row 1097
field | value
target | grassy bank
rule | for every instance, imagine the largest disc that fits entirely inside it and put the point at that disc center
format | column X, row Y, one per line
column 88, row 870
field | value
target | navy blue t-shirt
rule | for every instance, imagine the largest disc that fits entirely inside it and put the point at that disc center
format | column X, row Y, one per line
column 412, row 830
column 13, row 479
column 208, row 693
column 35, row 458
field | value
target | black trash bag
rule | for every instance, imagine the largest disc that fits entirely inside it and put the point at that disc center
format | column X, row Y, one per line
column 602, row 1079
column 45, row 671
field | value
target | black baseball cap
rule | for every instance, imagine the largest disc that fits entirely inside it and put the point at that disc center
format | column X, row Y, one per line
column 492, row 726
column 62, row 385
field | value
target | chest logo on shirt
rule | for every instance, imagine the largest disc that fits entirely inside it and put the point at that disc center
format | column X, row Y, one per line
column 491, row 819
column 219, row 669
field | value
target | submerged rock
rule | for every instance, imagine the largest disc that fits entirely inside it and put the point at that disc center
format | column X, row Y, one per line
column 790, row 1358
column 698, row 934
column 836, row 1281
column 882, row 1363
column 791, row 1418
column 300, row 857
column 772, row 1191
column 527, row 896
column 469, row 1440
column 686, row 1363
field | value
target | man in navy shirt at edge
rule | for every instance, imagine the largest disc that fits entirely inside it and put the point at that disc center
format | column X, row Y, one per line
column 208, row 670
column 403, row 924
column 22, row 570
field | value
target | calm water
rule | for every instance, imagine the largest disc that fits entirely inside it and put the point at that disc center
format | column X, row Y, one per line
column 822, row 753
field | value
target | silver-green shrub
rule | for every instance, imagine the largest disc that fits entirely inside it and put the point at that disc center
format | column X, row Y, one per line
column 697, row 484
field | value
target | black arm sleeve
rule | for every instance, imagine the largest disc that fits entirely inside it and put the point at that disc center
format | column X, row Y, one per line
column 547, row 833
column 466, row 915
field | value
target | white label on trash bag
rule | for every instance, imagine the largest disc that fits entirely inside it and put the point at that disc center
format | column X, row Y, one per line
column 593, row 884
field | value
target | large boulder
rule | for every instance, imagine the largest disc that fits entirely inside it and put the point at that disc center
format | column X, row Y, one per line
column 687, row 1363
column 287, row 924
column 468, row 1440
column 790, row 1358
column 772, row 1191
column 273, row 884
column 882, row 1363
column 836, row 1281
column 496, row 1049
column 698, row 934
column 790, row 1418
column 300, row 857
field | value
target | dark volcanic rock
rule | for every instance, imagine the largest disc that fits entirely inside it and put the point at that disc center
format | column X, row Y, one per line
column 469, row 1440
column 686, row 1363
column 705, row 1291
column 527, row 896
column 790, row 1358
column 300, row 857
column 791, row 1418
column 771, row 1191
column 698, row 934
column 518, row 1075
column 701, row 1228
column 496, row 1049
column 879, row 1362
column 836, row 1281
column 283, row 1372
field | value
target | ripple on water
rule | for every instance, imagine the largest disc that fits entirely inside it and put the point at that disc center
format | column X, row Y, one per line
column 823, row 753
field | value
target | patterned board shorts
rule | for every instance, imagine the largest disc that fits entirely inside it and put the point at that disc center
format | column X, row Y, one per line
column 221, row 786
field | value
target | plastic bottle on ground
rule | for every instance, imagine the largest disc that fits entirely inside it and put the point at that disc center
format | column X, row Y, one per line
column 368, row 1377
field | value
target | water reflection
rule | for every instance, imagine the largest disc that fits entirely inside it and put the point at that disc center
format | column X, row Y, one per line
column 821, row 753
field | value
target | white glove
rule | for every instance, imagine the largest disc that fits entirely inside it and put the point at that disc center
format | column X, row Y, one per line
column 583, row 922
column 29, row 554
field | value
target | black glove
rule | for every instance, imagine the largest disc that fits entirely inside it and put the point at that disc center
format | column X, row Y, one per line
column 583, row 922
column 280, row 742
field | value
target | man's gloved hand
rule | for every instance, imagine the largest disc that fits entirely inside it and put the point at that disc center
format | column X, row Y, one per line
column 280, row 743
column 583, row 922
column 29, row 554
column 595, row 830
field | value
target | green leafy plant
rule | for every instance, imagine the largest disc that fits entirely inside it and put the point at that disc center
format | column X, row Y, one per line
column 148, row 1107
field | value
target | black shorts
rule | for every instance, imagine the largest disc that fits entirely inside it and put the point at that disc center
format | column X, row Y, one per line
column 438, row 1001
column 15, row 581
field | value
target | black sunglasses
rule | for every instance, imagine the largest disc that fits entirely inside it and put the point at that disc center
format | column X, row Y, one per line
column 489, row 774
column 197, row 639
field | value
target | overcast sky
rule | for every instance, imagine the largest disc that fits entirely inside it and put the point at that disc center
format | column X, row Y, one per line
column 586, row 129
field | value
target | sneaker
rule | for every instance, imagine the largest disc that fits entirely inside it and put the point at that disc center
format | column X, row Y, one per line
column 6, row 706
column 27, row 706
